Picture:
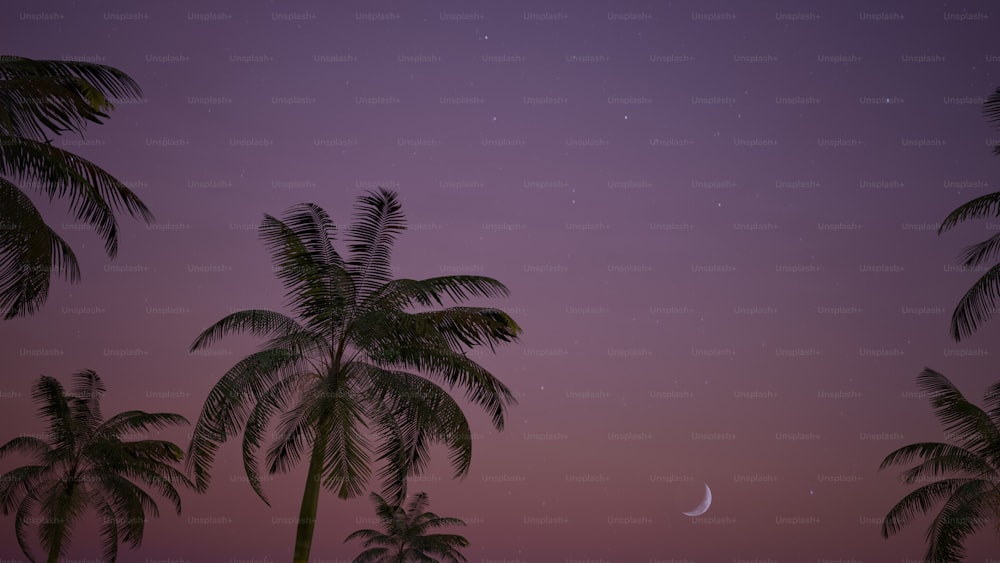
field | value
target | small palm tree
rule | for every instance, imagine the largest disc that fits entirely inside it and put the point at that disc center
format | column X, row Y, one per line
column 354, row 358
column 405, row 538
column 968, row 470
column 980, row 301
column 87, row 462
column 38, row 98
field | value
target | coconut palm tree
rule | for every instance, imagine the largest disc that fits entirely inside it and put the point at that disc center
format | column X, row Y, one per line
column 405, row 537
column 966, row 469
column 981, row 300
column 354, row 373
column 39, row 98
column 84, row 461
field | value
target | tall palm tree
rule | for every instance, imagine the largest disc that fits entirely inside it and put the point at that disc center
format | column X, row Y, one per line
column 354, row 372
column 86, row 462
column 39, row 98
column 980, row 301
column 968, row 470
column 405, row 537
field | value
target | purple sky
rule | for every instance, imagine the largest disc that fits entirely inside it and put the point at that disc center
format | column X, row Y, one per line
column 717, row 221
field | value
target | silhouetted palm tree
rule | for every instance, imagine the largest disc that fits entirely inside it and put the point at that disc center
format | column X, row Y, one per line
column 406, row 536
column 86, row 462
column 967, row 470
column 980, row 301
column 38, row 98
column 353, row 359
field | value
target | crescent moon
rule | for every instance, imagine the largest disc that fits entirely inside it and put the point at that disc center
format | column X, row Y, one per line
column 702, row 508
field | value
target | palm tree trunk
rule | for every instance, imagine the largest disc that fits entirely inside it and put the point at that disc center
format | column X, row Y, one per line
column 310, row 500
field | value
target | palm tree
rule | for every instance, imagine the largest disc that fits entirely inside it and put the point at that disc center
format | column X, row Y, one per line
column 38, row 98
column 968, row 470
column 405, row 538
column 980, row 301
column 355, row 373
column 85, row 462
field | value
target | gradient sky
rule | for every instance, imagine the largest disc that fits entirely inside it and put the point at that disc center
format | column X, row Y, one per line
column 717, row 220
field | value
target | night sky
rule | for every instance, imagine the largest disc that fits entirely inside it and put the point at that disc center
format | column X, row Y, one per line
column 717, row 221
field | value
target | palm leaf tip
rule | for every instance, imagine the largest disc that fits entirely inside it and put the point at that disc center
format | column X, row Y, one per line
column 991, row 109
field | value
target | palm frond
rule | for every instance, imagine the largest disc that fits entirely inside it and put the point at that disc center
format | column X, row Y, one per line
column 978, row 253
column 111, row 81
column 228, row 405
column 403, row 293
column 124, row 492
column 19, row 483
column 109, row 530
column 62, row 506
column 85, row 401
column 991, row 110
column 258, row 322
column 387, row 512
column 30, row 445
column 30, row 252
column 372, row 555
column 416, row 506
column 370, row 536
column 24, row 511
column 973, row 466
column 315, row 230
column 378, row 218
column 346, row 450
column 60, row 96
column 982, row 207
column 137, row 421
column 938, row 458
column 443, row 546
column 160, row 478
column 977, row 305
column 54, row 407
column 276, row 399
column 93, row 193
column 434, row 521
column 991, row 401
column 317, row 288
column 32, row 106
column 415, row 413
column 972, row 426
column 456, row 329
column 397, row 447
column 480, row 386
column 470, row 326
column 964, row 512
column 294, row 434
column 920, row 501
